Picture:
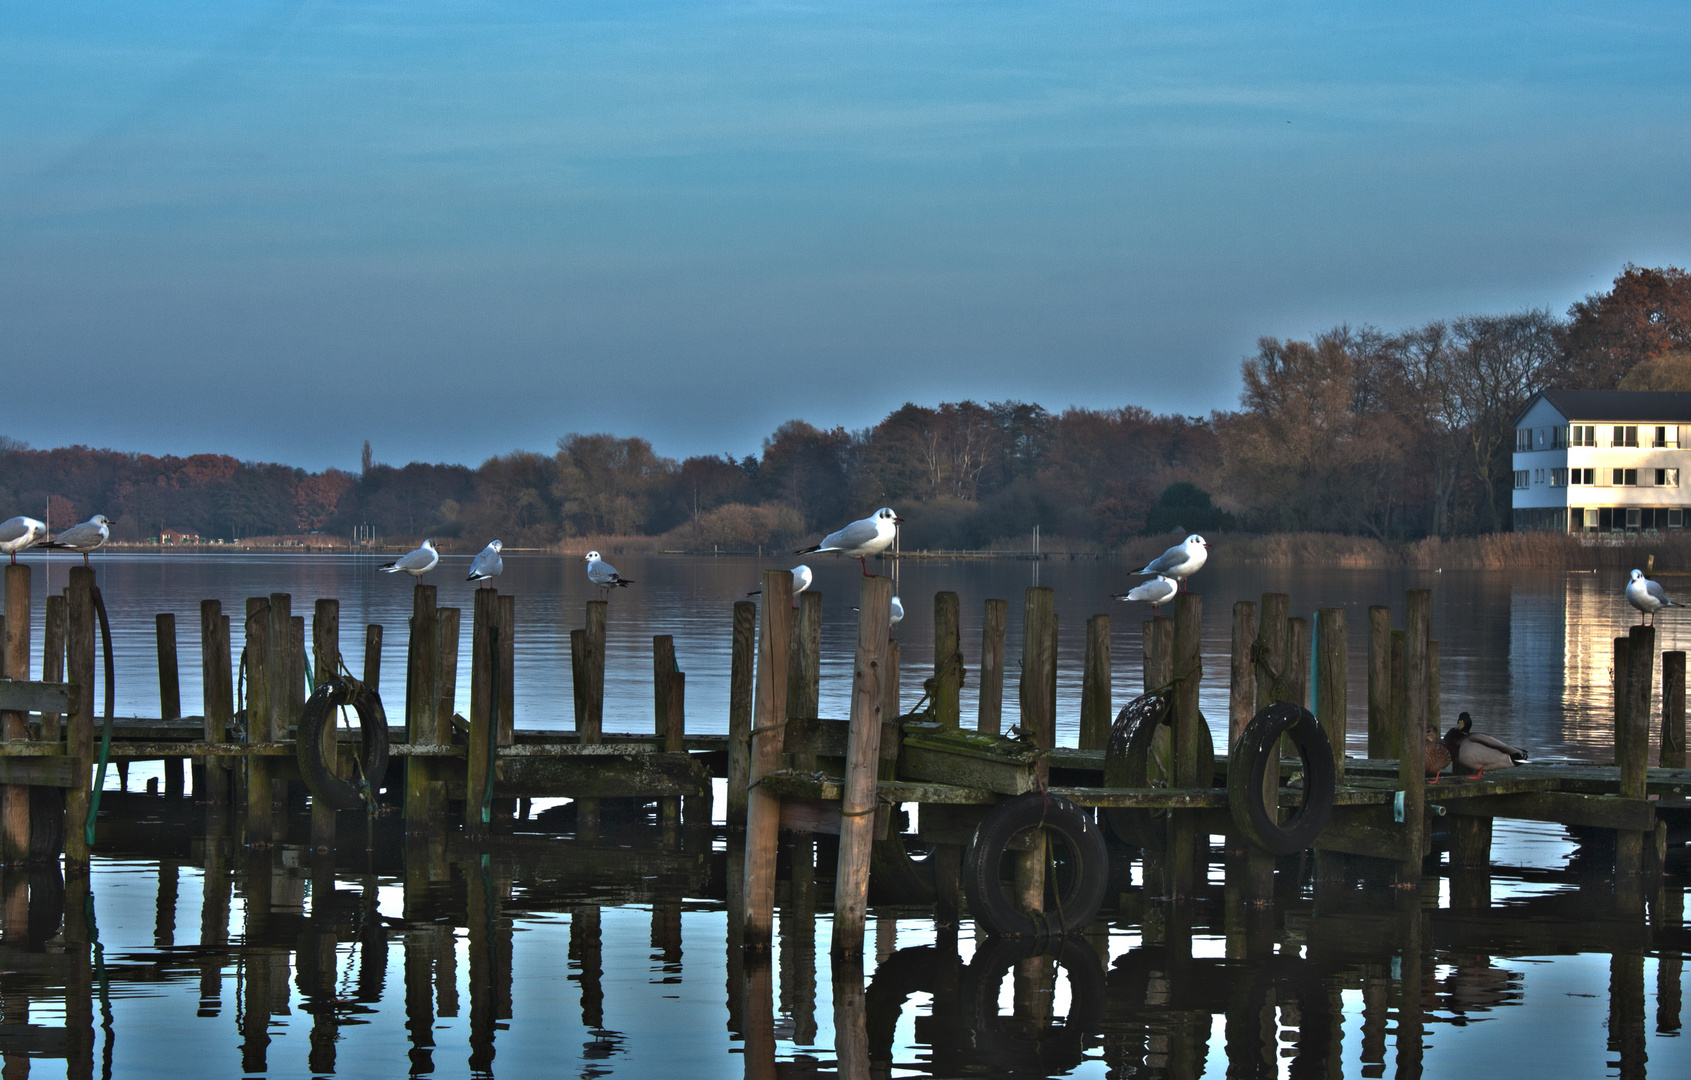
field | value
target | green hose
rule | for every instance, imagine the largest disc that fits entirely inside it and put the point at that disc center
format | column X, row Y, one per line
column 106, row 736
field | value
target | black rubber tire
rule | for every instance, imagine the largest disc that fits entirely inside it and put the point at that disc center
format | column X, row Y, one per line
column 1130, row 761
column 320, row 709
column 1257, row 751
column 1005, row 1045
column 1087, row 870
column 897, row 878
column 918, row 970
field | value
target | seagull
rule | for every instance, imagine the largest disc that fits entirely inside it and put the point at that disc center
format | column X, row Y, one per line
column 861, row 539
column 417, row 563
column 1156, row 593
column 82, row 538
column 488, row 564
column 1471, row 750
column 801, row 581
column 19, row 533
column 602, row 573
column 897, row 613
column 1180, row 561
column 1647, row 596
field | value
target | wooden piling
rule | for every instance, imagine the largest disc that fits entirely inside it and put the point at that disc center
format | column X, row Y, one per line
column 1038, row 690
column 1273, row 646
column 218, row 694
column 170, row 695
column 1411, row 753
column 948, row 661
column 53, row 659
column 79, row 736
column 1242, row 686
column 448, row 641
column 1632, row 741
column 47, row 805
column 990, row 718
column 593, row 668
column 508, row 671
column 578, row 677
column 14, row 726
column 763, row 808
column 1400, row 692
column 804, row 669
column 373, row 656
column 1673, row 710
column 259, row 701
column 1435, row 713
column 1332, row 693
column 675, row 741
column 1297, row 660
column 325, row 663
column 1096, row 708
column 479, row 763
column 663, row 666
column 422, row 657
column 1380, row 682
column 742, row 663
column 1189, row 737
column 891, row 707
column 863, row 751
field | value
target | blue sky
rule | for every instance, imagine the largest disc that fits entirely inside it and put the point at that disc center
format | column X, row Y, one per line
column 455, row 229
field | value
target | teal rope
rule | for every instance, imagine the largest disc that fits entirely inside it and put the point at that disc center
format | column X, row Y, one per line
column 1314, row 667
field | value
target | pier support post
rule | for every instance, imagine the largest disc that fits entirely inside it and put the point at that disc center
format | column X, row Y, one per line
column 47, row 805
column 592, row 726
column 259, row 656
column 1096, row 709
column 484, row 719
column 444, row 699
column 1332, row 694
column 1673, row 710
column 1181, row 869
column 1411, row 754
column 1297, row 662
column 373, row 656
column 990, row 717
column 217, row 690
column 421, row 657
column 664, row 670
column 948, row 662
column 742, row 663
column 1037, row 695
column 1632, row 740
column 1379, row 682
column 763, row 808
column 863, row 752
column 1273, row 683
column 170, row 697
column 325, row 663
column 14, row 726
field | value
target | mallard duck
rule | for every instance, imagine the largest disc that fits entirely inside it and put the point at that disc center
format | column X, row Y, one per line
column 1476, row 752
column 1438, row 755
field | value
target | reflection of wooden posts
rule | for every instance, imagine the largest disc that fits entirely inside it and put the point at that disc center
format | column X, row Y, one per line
column 1095, row 705
column 479, row 767
column 214, row 922
column 991, row 714
column 851, row 1028
column 218, row 691
column 1189, row 736
column 586, row 949
column 79, row 952
column 1379, row 682
column 1332, row 685
column 421, row 658
column 862, row 772
column 758, row 1009
column 742, row 664
column 798, row 953
column 420, row 950
column 763, row 808
column 1670, row 966
column 1673, row 710
column 490, row 970
column 948, row 661
column 257, row 651
column 325, row 662
column 1470, row 862
column 1411, row 753
column 1627, row 1034
column 170, row 696
column 1411, row 1020
column 1632, row 739
column 14, row 726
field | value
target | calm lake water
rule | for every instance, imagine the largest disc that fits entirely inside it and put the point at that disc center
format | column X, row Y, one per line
column 561, row 955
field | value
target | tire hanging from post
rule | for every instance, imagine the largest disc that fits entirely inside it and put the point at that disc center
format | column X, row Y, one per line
column 1257, row 750
column 1079, row 881
column 333, row 694
column 1133, row 758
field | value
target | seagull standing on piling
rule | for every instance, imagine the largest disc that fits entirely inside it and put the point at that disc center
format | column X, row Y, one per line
column 19, row 533
column 83, row 538
column 1180, row 561
column 1156, row 593
column 801, row 581
column 603, row 574
column 861, row 539
column 1647, row 596
column 416, row 563
column 897, row 612
column 488, row 564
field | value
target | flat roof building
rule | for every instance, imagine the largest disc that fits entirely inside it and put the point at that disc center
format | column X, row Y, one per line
column 1601, row 461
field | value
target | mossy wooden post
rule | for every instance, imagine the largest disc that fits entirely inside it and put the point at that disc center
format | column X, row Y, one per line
column 217, row 689
column 769, row 716
column 79, row 736
column 1180, row 870
column 1379, row 682
column 891, row 707
column 448, row 635
column 1095, row 705
column 170, row 695
column 373, row 656
column 863, row 753
column 14, row 726
column 1036, row 695
column 948, row 661
column 1242, row 685
column 1332, row 684
column 479, row 764
column 1411, row 753
column 422, row 654
column 326, row 663
column 1632, row 741
column 259, row 702
column 1673, row 710
column 990, row 717
column 592, row 700
column 743, row 661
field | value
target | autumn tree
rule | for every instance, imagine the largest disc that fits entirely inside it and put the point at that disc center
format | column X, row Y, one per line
column 1645, row 314
column 604, row 484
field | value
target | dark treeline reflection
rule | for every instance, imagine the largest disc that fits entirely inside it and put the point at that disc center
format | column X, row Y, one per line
column 430, row 958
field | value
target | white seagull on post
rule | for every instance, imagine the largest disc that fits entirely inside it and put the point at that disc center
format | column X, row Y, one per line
column 488, row 564
column 83, row 538
column 416, row 563
column 19, row 533
column 602, row 573
column 1156, row 592
column 1647, row 596
column 1180, row 561
column 801, row 581
column 861, row 539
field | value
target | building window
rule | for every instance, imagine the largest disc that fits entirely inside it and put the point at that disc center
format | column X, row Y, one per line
column 1538, row 476
column 1523, row 440
column 1625, row 435
column 1667, row 477
column 1632, row 516
column 1676, row 519
column 1582, row 435
column 1625, row 477
column 1523, row 479
column 1558, row 437
column 1588, row 477
column 1667, row 435
column 1558, row 478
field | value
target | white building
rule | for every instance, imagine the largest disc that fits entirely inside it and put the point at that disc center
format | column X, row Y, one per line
column 1602, row 461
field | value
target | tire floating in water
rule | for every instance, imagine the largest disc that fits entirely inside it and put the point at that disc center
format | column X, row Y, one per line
column 331, row 695
column 1257, row 751
column 1077, row 868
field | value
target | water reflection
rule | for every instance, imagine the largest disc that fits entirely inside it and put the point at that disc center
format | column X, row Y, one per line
column 547, row 954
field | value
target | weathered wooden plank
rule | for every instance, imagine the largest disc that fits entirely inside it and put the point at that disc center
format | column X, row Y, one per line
column 1368, row 830
column 990, row 718
column 1566, row 808
column 17, row 695
column 945, row 767
column 645, row 776
column 53, row 770
column 859, row 795
column 769, row 716
column 821, row 737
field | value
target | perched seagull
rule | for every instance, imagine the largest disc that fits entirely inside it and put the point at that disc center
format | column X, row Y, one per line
column 1156, row 593
column 897, row 613
column 861, row 539
column 488, row 564
column 801, row 581
column 82, row 538
column 1180, row 561
column 1642, row 593
column 21, row 532
column 1471, row 750
column 417, row 563
column 602, row 573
